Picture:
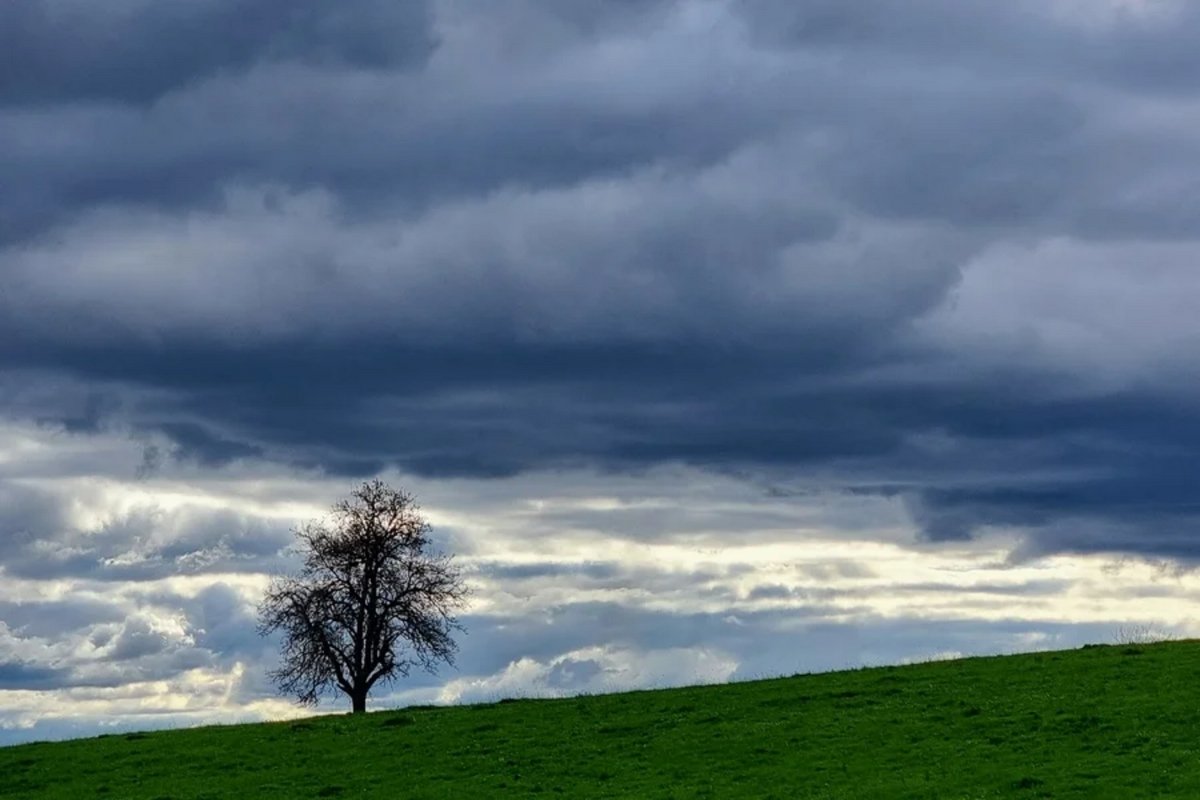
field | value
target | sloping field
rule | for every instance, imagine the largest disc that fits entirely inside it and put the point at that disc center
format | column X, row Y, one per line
column 1120, row 722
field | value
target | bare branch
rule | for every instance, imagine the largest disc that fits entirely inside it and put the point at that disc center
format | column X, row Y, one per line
column 371, row 600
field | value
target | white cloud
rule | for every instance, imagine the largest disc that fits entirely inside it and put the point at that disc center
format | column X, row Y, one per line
column 1113, row 315
column 594, row 670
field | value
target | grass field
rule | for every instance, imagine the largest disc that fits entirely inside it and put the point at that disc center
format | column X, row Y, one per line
column 1119, row 722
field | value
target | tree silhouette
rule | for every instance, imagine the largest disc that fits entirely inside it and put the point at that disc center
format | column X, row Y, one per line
column 371, row 601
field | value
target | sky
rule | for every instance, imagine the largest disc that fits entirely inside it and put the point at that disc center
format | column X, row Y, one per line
column 718, row 339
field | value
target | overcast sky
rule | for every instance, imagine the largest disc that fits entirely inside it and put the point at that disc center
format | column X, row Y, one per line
column 718, row 339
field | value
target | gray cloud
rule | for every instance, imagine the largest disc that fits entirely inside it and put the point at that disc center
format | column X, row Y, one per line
column 137, row 640
column 135, row 51
column 48, row 619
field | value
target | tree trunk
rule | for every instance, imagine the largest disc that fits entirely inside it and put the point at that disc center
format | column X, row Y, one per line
column 358, row 701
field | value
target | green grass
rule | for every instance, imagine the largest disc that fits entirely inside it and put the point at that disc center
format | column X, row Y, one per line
column 1120, row 722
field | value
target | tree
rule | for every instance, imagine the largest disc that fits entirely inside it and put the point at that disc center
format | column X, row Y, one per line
column 371, row 601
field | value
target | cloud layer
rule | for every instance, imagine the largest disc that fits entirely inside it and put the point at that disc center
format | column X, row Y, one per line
column 883, row 246
column 131, row 603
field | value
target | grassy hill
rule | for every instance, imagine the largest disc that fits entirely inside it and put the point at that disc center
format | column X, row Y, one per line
column 1120, row 722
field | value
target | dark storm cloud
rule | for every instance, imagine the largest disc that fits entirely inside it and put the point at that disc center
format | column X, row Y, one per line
column 473, row 243
column 135, row 51
column 1140, row 45
column 194, row 442
column 550, row 569
column 427, row 138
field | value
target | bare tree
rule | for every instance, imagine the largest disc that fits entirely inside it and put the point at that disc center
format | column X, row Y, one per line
column 371, row 602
